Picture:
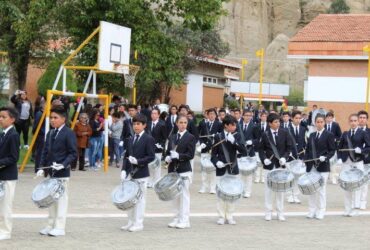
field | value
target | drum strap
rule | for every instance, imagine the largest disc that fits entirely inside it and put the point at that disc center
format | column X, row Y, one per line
column 294, row 142
column 314, row 155
column 227, row 157
column 273, row 147
column 350, row 146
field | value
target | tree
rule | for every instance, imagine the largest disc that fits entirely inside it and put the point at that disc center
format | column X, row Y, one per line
column 22, row 28
column 165, row 33
column 339, row 7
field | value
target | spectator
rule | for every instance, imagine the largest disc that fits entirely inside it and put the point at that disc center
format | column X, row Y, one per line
column 95, row 139
column 115, row 131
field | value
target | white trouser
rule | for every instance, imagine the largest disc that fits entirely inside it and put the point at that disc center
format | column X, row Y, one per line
column 58, row 210
column 136, row 214
column 225, row 209
column 182, row 202
column 209, row 181
column 361, row 196
column 279, row 197
column 295, row 191
column 155, row 174
column 6, row 206
column 247, row 181
column 334, row 169
column 349, row 197
column 317, row 201
column 258, row 174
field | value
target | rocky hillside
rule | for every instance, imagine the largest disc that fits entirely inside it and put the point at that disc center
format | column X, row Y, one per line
column 254, row 24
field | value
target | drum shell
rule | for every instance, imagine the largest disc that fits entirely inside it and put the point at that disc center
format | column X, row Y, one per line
column 55, row 193
column 281, row 185
column 169, row 192
column 125, row 205
column 2, row 190
column 316, row 182
column 228, row 196
column 247, row 165
column 206, row 164
column 354, row 184
column 297, row 167
column 154, row 164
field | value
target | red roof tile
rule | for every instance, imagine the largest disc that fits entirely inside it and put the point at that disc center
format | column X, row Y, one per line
column 336, row 28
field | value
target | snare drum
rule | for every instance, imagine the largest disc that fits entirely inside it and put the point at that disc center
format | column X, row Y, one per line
column 280, row 180
column 352, row 179
column 169, row 186
column 47, row 192
column 154, row 164
column 127, row 194
column 206, row 164
column 310, row 183
column 247, row 165
column 367, row 171
column 229, row 188
column 2, row 190
column 297, row 167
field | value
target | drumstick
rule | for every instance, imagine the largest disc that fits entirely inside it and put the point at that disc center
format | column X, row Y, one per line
column 204, row 136
column 315, row 159
column 346, row 149
column 221, row 141
column 302, row 152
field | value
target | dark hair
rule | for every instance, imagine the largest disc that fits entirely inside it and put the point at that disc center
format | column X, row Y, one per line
column 173, row 106
column 181, row 116
column 314, row 105
column 93, row 113
column 297, row 112
column 354, row 114
column 263, row 113
column 139, row 118
column 132, row 106
column 222, row 111
column 272, row 117
column 116, row 115
column 236, row 110
column 319, row 116
column 329, row 114
column 156, row 109
column 116, row 98
column 363, row 112
column 211, row 110
column 246, row 111
column 12, row 112
column 229, row 120
column 163, row 115
column 183, row 106
column 286, row 113
column 59, row 110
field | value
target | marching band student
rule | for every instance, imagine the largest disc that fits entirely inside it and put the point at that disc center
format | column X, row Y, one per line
column 361, row 195
column 210, row 127
column 250, row 136
column 261, row 126
column 238, row 117
column 127, row 131
column 274, row 138
column 285, row 120
column 179, row 153
column 298, row 135
column 9, row 154
column 171, row 120
column 139, row 152
column 227, row 162
column 157, row 129
column 191, row 128
column 221, row 115
column 60, row 151
column 354, row 145
column 333, row 127
column 320, row 145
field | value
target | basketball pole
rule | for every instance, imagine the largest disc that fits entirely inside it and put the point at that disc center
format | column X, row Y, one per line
column 260, row 53
column 367, row 50
column 134, row 88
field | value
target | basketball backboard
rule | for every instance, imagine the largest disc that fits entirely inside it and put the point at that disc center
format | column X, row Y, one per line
column 114, row 47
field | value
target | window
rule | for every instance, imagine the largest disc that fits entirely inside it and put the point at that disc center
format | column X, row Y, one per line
column 210, row 80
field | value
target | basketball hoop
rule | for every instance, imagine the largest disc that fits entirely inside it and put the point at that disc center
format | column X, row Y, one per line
column 129, row 73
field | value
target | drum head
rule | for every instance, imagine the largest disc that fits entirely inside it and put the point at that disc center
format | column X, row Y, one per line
column 297, row 166
column 167, row 181
column 231, row 185
column 309, row 178
column 281, row 175
column 44, row 189
column 351, row 175
column 126, row 191
column 247, row 162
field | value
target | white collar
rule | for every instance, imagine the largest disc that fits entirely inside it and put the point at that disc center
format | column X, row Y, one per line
column 320, row 132
column 155, row 122
column 355, row 129
column 273, row 131
column 7, row 129
column 181, row 133
column 141, row 133
column 294, row 126
column 60, row 128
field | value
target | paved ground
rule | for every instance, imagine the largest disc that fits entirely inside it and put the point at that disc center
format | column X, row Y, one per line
column 94, row 222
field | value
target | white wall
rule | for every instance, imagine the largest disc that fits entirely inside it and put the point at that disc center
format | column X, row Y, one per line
column 254, row 88
column 336, row 89
column 194, row 92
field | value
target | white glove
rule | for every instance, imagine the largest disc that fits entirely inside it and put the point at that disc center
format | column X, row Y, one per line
column 203, row 146
column 358, row 150
column 17, row 92
column 132, row 160
column 57, row 166
column 339, row 161
column 322, row 158
column 168, row 159
column 220, row 164
column 282, row 161
column 174, row 155
column 267, row 162
column 159, row 146
column 230, row 138
column 123, row 174
column 120, row 144
column 249, row 142
column 40, row 173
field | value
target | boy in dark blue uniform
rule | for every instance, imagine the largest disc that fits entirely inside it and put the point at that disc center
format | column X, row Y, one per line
column 9, row 153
